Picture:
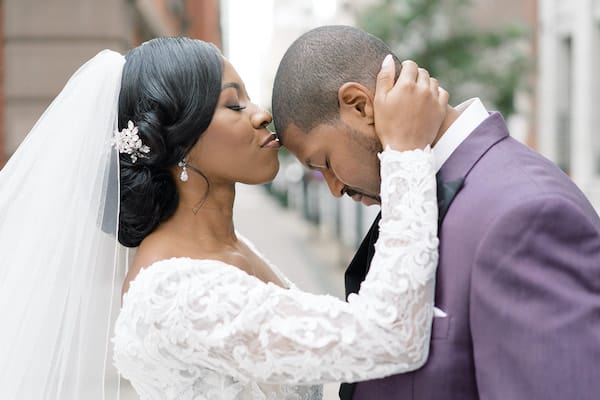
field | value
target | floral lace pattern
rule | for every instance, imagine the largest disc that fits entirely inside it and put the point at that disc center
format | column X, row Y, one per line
column 203, row 329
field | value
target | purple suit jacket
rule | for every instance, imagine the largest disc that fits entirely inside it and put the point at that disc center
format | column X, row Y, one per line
column 519, row 277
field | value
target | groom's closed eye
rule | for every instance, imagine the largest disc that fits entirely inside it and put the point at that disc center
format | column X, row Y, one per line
column 350, row 192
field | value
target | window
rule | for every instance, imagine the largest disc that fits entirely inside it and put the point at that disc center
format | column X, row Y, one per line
column 564, row 110
column 595, row 92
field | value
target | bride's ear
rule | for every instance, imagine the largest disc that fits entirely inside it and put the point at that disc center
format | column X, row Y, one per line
column 356, row 103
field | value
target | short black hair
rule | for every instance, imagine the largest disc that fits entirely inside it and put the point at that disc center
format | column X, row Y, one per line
column 169, row 89
column 316, row 65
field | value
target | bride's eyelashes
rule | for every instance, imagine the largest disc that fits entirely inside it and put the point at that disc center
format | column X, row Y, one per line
column 236, row 107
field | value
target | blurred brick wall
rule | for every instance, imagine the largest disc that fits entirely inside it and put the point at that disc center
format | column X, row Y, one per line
column 204, row 21
column 192, row 18
column 43, row 43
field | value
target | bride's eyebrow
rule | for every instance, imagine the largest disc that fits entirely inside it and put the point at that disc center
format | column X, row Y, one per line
column 234, row 85
column 241, row 90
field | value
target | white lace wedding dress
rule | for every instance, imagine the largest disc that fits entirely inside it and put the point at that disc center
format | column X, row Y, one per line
column 202, row 329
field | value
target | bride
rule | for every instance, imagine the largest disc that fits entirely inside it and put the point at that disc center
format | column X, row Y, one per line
column 147, row 148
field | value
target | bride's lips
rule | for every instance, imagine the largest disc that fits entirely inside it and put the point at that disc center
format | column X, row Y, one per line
column 271, row 142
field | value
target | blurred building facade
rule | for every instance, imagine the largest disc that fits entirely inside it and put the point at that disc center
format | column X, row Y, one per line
column 44, row 42
column 568, row 112
column 492, row 15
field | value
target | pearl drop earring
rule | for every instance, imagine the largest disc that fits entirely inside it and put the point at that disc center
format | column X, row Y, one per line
column 184, row 175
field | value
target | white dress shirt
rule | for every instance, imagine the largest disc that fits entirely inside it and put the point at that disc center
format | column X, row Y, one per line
column 472, row 114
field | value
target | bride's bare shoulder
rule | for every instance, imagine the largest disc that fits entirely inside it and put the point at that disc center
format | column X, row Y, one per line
column 153, row 248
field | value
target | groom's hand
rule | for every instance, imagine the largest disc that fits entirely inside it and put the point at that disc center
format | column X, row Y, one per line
column 409, row 112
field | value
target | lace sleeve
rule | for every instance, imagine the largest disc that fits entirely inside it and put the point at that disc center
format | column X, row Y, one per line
column 218, row 317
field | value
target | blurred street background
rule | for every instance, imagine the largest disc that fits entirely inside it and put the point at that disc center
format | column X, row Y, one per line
column 536, row 61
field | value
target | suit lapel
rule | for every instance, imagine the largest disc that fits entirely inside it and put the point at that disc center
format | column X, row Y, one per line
column 446, row 192
column 452, row 175
column 464, row 158
column 359, row 266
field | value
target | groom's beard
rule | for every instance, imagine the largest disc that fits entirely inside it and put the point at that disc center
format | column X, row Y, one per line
column 372, row 146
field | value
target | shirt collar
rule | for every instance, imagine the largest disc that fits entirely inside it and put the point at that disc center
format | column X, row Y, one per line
column 472, row 114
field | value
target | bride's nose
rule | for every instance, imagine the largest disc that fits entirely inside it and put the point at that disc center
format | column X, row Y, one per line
column 261, row 118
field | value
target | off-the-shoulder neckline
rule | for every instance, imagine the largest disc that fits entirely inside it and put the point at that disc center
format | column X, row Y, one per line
column 282, row 278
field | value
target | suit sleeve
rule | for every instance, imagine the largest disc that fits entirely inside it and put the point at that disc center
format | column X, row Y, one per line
column 535, row 304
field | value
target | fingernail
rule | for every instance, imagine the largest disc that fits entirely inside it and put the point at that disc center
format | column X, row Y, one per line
column 387, row 61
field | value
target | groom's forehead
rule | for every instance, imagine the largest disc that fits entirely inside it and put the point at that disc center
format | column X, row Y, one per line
column 302, row 143
column 317, row 133
column 292, row 137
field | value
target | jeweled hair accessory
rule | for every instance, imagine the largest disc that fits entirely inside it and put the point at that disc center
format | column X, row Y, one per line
column 128, row 141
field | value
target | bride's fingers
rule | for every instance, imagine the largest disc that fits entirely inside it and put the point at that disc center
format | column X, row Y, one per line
column 434, row 86
column 385, row 77
column 423, row 78
column 442, row 96
column 408, row 73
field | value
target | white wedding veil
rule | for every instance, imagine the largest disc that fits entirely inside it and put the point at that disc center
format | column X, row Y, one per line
column 61, row 267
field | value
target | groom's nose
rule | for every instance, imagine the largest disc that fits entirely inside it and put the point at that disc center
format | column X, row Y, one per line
column 335, row 186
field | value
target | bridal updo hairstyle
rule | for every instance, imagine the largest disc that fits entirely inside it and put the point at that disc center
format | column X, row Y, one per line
column 170, row 88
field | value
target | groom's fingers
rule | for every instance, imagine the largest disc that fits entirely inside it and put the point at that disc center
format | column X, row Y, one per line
column 385, row 78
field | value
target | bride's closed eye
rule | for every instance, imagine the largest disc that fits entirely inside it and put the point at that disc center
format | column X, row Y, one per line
column 236, row 107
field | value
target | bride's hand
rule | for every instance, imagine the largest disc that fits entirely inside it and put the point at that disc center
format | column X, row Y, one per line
column 408, row 113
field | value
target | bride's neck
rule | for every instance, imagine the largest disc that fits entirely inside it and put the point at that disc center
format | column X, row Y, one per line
column 207, row 216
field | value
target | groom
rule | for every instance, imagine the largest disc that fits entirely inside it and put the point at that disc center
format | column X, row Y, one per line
column 518, row 284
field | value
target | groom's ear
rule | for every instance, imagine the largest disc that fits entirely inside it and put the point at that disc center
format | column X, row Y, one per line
column 356, row 103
